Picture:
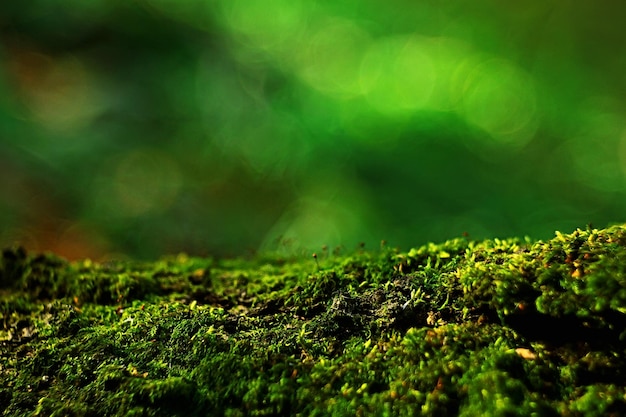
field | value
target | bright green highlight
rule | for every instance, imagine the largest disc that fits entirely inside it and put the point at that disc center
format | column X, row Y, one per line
column 398, row 75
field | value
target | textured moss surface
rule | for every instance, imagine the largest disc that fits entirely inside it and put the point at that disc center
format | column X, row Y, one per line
column 491, row 328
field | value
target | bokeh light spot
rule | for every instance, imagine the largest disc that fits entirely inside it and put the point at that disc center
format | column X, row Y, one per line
column 270, row 25
column 59, row 92
column 598, row 150
column 330, row 62
column 144, row 181
column 499, row 97
column 446, row 52
column 330, row 211
column 258, row 146
column 398, row 75
column 597, row 163
column 241, row 124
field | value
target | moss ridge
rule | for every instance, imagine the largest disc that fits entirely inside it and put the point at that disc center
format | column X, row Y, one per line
column 496, row 327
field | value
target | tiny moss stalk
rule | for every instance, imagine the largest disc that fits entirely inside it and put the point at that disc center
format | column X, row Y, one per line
column 492, row 328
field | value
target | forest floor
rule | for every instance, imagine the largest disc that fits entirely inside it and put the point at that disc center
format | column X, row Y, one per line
column 501, row 327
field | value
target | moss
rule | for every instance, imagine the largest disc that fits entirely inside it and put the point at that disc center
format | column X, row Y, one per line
column 495, row 328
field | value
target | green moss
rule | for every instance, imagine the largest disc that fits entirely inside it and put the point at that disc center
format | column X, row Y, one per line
column 493, row 328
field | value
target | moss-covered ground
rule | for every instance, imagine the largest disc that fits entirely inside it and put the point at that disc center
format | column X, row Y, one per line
column 469, row 328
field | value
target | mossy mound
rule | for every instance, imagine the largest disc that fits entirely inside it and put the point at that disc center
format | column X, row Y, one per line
column 492, row 328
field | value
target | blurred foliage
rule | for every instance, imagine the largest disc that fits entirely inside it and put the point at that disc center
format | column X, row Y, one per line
column 223, row 126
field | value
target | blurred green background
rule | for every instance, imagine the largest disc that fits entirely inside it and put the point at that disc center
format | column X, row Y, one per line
column 221, row 127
